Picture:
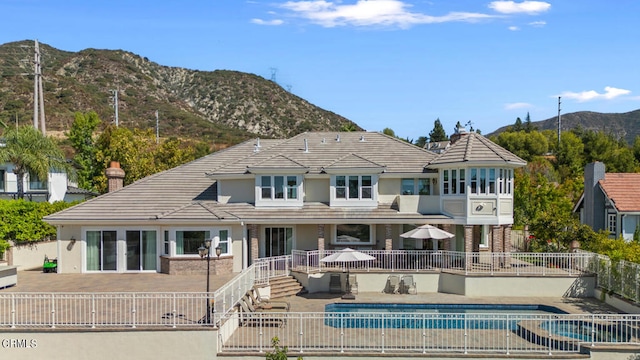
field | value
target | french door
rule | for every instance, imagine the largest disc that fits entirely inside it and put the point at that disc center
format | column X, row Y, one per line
column 278, row 241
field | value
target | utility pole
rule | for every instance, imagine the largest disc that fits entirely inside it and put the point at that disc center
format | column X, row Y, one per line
column 115, row 103
column 559, row 120
column 157, row 129
column 38, row 95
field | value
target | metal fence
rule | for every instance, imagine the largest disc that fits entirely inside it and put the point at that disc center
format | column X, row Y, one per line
column 102, row 310
column 619, row 277
column 423, row 333
column 469, row 263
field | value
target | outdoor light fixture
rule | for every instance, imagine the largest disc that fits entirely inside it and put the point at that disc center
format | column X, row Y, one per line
column 218, row 251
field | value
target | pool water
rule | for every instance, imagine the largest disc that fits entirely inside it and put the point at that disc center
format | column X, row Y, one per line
column 585, row 331
column 432, row 316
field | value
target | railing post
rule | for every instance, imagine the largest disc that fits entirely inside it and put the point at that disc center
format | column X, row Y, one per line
column 424, row 333
column 341, row 331
column 301, row 332
column 593, row 329
column 13, row 311
column 466, row 334
column 549, row 334
column 93, row 311
column 382, row 335
column 133, row 311
column 508, row 332
column 174, row 310
column 53, row 311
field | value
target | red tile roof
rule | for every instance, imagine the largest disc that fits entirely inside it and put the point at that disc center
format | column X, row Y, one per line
column 623, row 189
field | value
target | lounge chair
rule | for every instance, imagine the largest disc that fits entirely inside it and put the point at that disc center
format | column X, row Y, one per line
column 353, row 284
column 335, row 284
column 407, row 285
column 266, row 304
column 393, row 285
column 250, row 315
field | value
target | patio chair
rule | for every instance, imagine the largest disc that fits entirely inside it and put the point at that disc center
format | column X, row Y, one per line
column 393, row 285
column 407, row 285
column 250, row 316
column 335, row 284
column 353, row 284
column 261, row 304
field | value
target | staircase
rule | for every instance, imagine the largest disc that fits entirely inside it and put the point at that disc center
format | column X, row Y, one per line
column 285, row 286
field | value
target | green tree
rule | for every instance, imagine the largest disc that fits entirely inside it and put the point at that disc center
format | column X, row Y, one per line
column 278, row 352
column 569, row 157
column 421, row 142
column 389, row 132
column 437, row 133
column 83, row 141
column 32, row 153
column 348, row 127
column 525, row 145
column 517, row 126
column 528, row 126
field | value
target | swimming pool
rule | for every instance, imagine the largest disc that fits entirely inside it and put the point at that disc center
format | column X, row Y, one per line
column 433, row 316
column 588, row 331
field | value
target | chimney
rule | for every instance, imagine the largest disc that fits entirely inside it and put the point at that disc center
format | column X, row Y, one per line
column 115, row 176
column 593, row 197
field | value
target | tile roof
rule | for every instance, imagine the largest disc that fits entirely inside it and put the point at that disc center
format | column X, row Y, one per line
column 623, row 189
column 475, row 148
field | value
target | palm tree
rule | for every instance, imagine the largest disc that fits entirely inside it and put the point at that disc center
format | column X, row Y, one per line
column 31, row 152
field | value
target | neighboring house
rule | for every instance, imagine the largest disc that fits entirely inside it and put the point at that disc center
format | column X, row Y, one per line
column 437, row 147
column 55, row 188
column 610, row 202
column 264, row 198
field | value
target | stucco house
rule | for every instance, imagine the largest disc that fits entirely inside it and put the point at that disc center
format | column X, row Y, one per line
column 56, row 187
column 318, row 190
column 610, row 202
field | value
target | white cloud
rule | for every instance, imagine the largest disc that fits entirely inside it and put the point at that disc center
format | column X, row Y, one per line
column 526, row 7
column 514, row 28
column 371, row 13
column 517, row 106
column 609, row 93
column 538, row 23
column 267, row 22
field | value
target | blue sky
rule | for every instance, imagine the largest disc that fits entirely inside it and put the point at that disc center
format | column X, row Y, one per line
column 380, row 63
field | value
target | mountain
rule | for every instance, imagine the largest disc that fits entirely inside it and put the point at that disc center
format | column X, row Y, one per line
column 621, row 125
column 222, row 106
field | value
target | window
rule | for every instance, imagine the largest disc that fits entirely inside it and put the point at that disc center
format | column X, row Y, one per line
column 222, row 240
column 408, row 187
column 279, row 187
column 353, row 234
column 492, row 181
column 454, row 182
column 165, row 248
column 188, row 242
column 102, row 250
column 474, row 181
column 354, row 187
column 36, row 184
column 2, row 180
column 424, row 187
column 611, row 223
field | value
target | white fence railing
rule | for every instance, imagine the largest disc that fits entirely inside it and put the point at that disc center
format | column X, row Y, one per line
column 621, row 277
column 97, row 310
column 469, row 263
column 423, row 333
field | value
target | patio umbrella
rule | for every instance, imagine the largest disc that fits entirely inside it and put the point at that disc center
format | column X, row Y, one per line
column 346, row 256
column 427, row 232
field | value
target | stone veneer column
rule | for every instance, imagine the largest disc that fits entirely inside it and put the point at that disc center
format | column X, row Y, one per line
column 496, row 244
column 254, row 241
column 468, row 246
column 321, row 237
column 446, row 243
column 507, row 245
column 388, row 241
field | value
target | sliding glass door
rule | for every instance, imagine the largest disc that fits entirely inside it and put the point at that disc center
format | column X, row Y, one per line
column 102, row 251
column 141, row 250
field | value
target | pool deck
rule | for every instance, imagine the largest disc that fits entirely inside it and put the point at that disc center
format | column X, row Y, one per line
column 36, row 281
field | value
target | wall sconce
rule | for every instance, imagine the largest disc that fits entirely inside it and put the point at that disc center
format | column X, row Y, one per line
column 73, row 239
column 434, row 181
column 479, row 207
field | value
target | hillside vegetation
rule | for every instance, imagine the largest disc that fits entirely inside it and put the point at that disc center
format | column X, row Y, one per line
column 221, row 106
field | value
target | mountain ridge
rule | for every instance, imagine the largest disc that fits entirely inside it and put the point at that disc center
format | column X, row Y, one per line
column 221, row 105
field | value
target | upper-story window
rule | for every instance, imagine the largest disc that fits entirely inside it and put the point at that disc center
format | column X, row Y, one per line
column 354, row 190
column 416, row 187
column 36, row 184
column 354, row 187
column 454, row 181
column 278, row 190
column 611, row 223
column 490, row 181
